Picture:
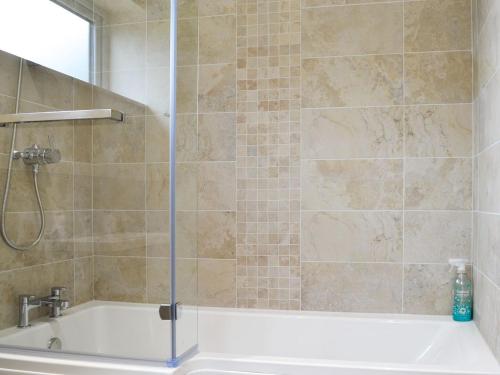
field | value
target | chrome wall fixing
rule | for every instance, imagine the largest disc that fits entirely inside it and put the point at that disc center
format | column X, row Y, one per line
column 37, row 155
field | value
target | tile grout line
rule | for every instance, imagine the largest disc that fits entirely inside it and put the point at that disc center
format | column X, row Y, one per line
column 403, row 162
column 145, row 155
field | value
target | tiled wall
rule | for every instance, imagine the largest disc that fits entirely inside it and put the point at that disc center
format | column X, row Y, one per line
column 324, row 155
column 324, row 159
column 268, row 184
column 131, row 162
column 64, row 256
column 486, row 158
column 385, row 153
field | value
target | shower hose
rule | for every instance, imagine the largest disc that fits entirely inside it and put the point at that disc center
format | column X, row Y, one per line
column 9, row 175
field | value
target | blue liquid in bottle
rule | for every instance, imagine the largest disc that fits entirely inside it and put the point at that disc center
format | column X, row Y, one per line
column 462, row 297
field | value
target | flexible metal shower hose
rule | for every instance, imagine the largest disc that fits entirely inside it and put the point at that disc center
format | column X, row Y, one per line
column 9, row 175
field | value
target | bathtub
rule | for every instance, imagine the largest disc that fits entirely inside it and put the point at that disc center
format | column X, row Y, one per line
column 246, row 342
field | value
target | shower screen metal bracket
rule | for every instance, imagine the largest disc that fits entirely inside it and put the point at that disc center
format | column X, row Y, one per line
column 169, row 311
column 86, row 114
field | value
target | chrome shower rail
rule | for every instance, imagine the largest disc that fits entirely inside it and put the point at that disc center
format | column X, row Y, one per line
column 87, row 114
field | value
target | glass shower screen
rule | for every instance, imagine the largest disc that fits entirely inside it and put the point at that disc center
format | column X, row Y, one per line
column 122, row 204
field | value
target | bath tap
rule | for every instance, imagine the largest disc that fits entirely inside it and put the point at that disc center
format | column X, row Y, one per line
column 53, row 301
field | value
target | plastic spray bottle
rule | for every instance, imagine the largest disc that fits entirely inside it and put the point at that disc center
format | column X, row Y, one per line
column 462, row 292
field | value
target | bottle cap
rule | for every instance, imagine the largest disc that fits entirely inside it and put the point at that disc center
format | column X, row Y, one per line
column 460, row 263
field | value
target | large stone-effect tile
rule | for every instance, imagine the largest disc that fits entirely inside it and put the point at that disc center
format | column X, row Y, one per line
column 334, row 31
column 351, row 133
column 351, row 287
column 442, row 184
column 437, row 25
column 120, row 279
column 352, row 184
column 352, row 236
column 352, row 81
column 435, row 78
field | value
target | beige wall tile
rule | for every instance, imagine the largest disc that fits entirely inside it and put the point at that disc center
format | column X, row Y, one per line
column 120, row 279
column 46, row 87
column 484, row 8
column 159, row 280
column 104, row 99
column 435, row 237
column 187, row 41
column 352, row 184
column 82, row 92
column 82, row 151
column 188, row 182
column 125, row 12
column 444, row 130
column 119, row 144
column 427, row 289
column 217, row 88
column 352, row 81
column 217, row 186
column 157, row 97
column 432, row 78
column 372, row 1
column 488, row 42
column 334, row 31
column 217, row 282
column 488, row 183
column 487, row 129
column 351, row 287
column 442, row 184
column 217, row 235
column 124, row 46
column 158, row 285
column 23, row 227
column 157, row 43
column 186, row 89
column 84, row 280
column 352, row 236
column 437, row 25
column 9, row 71
column 158, row 234
column 217, row 39
column 119, row 233
column 157, row 186
column 82, row 186
column 216, row 7
column 351, row 133
column 487, row 309
column 119, row 186
column 187, row 138
column 317, row 3
column 128, row 83
column 487, row 243
column 157, row 138
column 83, row 234
column 55, row 183
column 217, row 137
column 57, row 134
column 159, row 9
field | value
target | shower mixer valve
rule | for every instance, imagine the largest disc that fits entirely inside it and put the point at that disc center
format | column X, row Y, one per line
column 36, row 155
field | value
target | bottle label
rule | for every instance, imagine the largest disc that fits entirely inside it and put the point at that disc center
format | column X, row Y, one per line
column 462, row 306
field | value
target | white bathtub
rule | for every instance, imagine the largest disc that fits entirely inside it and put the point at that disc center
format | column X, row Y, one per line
column 249, row 342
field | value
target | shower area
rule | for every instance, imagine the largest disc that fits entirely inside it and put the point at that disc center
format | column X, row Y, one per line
column 85, row 90
column 280, row 181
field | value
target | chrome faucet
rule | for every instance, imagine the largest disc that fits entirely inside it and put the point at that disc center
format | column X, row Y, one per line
column 54, row 302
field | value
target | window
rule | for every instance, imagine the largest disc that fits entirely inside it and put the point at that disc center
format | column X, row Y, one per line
column 48, row 34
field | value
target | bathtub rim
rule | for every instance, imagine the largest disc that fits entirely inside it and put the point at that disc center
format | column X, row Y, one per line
column 67, row 358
